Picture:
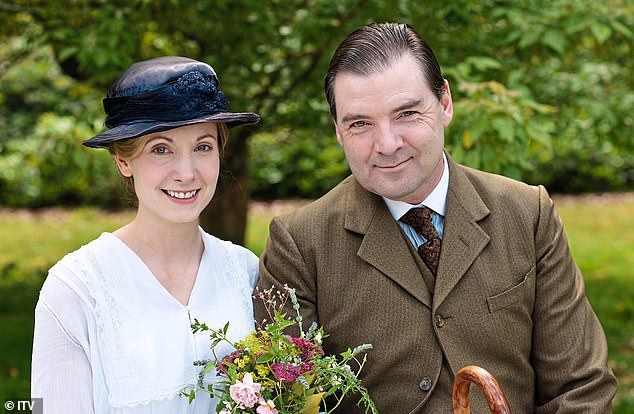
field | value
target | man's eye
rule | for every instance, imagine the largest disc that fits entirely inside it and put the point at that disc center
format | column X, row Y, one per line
column 358, row 124
column 407, row 114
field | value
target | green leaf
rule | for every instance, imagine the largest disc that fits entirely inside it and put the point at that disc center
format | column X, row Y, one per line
column 540, row 132
column 346, row 354
column 484, row 63
column 283, row 339
column 216, row 341
column 505, row 128
column 67, row 52
column 530, row 38
column 210, row 366
column 266, row 357
column 472, row 158
column 555, row 39
column 480, row 125
column 601, row 32
column 621, row 28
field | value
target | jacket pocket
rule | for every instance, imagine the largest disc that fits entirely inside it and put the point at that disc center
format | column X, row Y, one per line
column 512, row 295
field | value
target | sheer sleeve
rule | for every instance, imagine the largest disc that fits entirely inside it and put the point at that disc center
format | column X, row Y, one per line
column 247, row 260
column 253, row 268
column 61, row 373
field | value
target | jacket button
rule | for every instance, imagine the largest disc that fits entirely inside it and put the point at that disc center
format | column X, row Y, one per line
column 440, row 321
column 425, row 384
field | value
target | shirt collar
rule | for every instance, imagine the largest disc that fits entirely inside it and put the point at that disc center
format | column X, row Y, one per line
column 436, row 200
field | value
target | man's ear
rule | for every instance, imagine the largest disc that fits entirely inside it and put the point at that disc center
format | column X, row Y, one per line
column 447, row 105
column 338, row 132
column 124, row 166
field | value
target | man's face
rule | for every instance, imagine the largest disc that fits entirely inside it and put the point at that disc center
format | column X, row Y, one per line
column 391, row 128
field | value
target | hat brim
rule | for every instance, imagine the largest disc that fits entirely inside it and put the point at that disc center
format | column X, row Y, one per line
column 138, row 129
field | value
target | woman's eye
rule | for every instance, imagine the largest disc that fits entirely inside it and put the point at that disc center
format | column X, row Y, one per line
column 160, row 150
column 204, row 147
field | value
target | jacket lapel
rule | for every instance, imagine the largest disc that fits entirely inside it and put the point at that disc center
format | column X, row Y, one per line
column 383, row 246
column 463, row 238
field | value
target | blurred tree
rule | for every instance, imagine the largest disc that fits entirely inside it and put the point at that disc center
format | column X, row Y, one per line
column 532, row 80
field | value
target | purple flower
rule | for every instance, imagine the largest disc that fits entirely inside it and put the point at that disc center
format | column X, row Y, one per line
column 309, row 349
column 290, row 372
column 223, row 368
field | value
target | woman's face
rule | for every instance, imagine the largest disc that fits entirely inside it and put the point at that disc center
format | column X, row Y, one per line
column 175, row 173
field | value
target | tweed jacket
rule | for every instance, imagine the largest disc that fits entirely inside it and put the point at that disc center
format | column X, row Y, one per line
column 507, row 297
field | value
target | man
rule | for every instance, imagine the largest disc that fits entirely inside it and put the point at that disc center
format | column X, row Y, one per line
column 481, row 276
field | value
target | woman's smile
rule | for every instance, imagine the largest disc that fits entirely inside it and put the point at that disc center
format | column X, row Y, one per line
column 182, row 195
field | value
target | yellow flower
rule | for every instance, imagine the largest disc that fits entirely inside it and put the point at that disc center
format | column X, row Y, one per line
column 255, row 342
column 262, row 370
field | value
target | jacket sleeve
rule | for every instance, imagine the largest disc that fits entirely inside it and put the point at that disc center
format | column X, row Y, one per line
column 282, row 264
column 570, row 351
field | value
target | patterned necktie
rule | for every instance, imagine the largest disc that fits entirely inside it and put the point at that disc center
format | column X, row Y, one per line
column 420, row 220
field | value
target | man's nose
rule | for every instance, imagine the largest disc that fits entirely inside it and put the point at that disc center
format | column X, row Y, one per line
column 388, row 139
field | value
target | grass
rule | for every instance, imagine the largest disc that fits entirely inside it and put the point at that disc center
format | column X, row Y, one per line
column 600, row 232
column 601, row 236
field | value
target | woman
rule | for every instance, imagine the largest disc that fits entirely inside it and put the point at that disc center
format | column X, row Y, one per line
column 112, row 331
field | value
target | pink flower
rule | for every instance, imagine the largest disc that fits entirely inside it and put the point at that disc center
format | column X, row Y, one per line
column 266, row 407
column 245, row 392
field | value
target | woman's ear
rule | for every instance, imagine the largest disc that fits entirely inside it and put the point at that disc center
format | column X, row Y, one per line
column 124, row 166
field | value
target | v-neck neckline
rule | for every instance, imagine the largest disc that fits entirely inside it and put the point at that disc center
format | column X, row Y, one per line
column 154, row 280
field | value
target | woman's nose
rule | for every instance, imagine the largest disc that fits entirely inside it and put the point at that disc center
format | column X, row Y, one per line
column 185, row 170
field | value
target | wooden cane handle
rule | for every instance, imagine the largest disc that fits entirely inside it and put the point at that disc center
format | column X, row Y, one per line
column 487, row 384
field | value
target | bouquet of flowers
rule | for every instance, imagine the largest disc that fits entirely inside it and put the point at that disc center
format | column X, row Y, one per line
column 271, row 372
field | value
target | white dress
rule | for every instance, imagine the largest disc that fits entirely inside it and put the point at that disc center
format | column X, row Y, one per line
column 109, row 338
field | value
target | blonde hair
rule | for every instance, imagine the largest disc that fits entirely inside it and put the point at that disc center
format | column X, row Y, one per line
column 132, row 147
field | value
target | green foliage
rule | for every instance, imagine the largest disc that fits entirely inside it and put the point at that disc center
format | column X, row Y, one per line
column 573, row 56
column 51, row 167
column 42, row 161
column 297, row 163
column 542, row 89
column 496, row 127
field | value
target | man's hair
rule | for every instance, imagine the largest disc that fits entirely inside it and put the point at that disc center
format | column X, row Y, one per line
column 376, row 47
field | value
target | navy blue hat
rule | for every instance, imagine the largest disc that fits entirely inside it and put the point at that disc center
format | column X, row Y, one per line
column 164, row 93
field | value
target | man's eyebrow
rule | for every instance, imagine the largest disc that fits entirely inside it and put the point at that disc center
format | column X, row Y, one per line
column 408, row 105
column 352, row 117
